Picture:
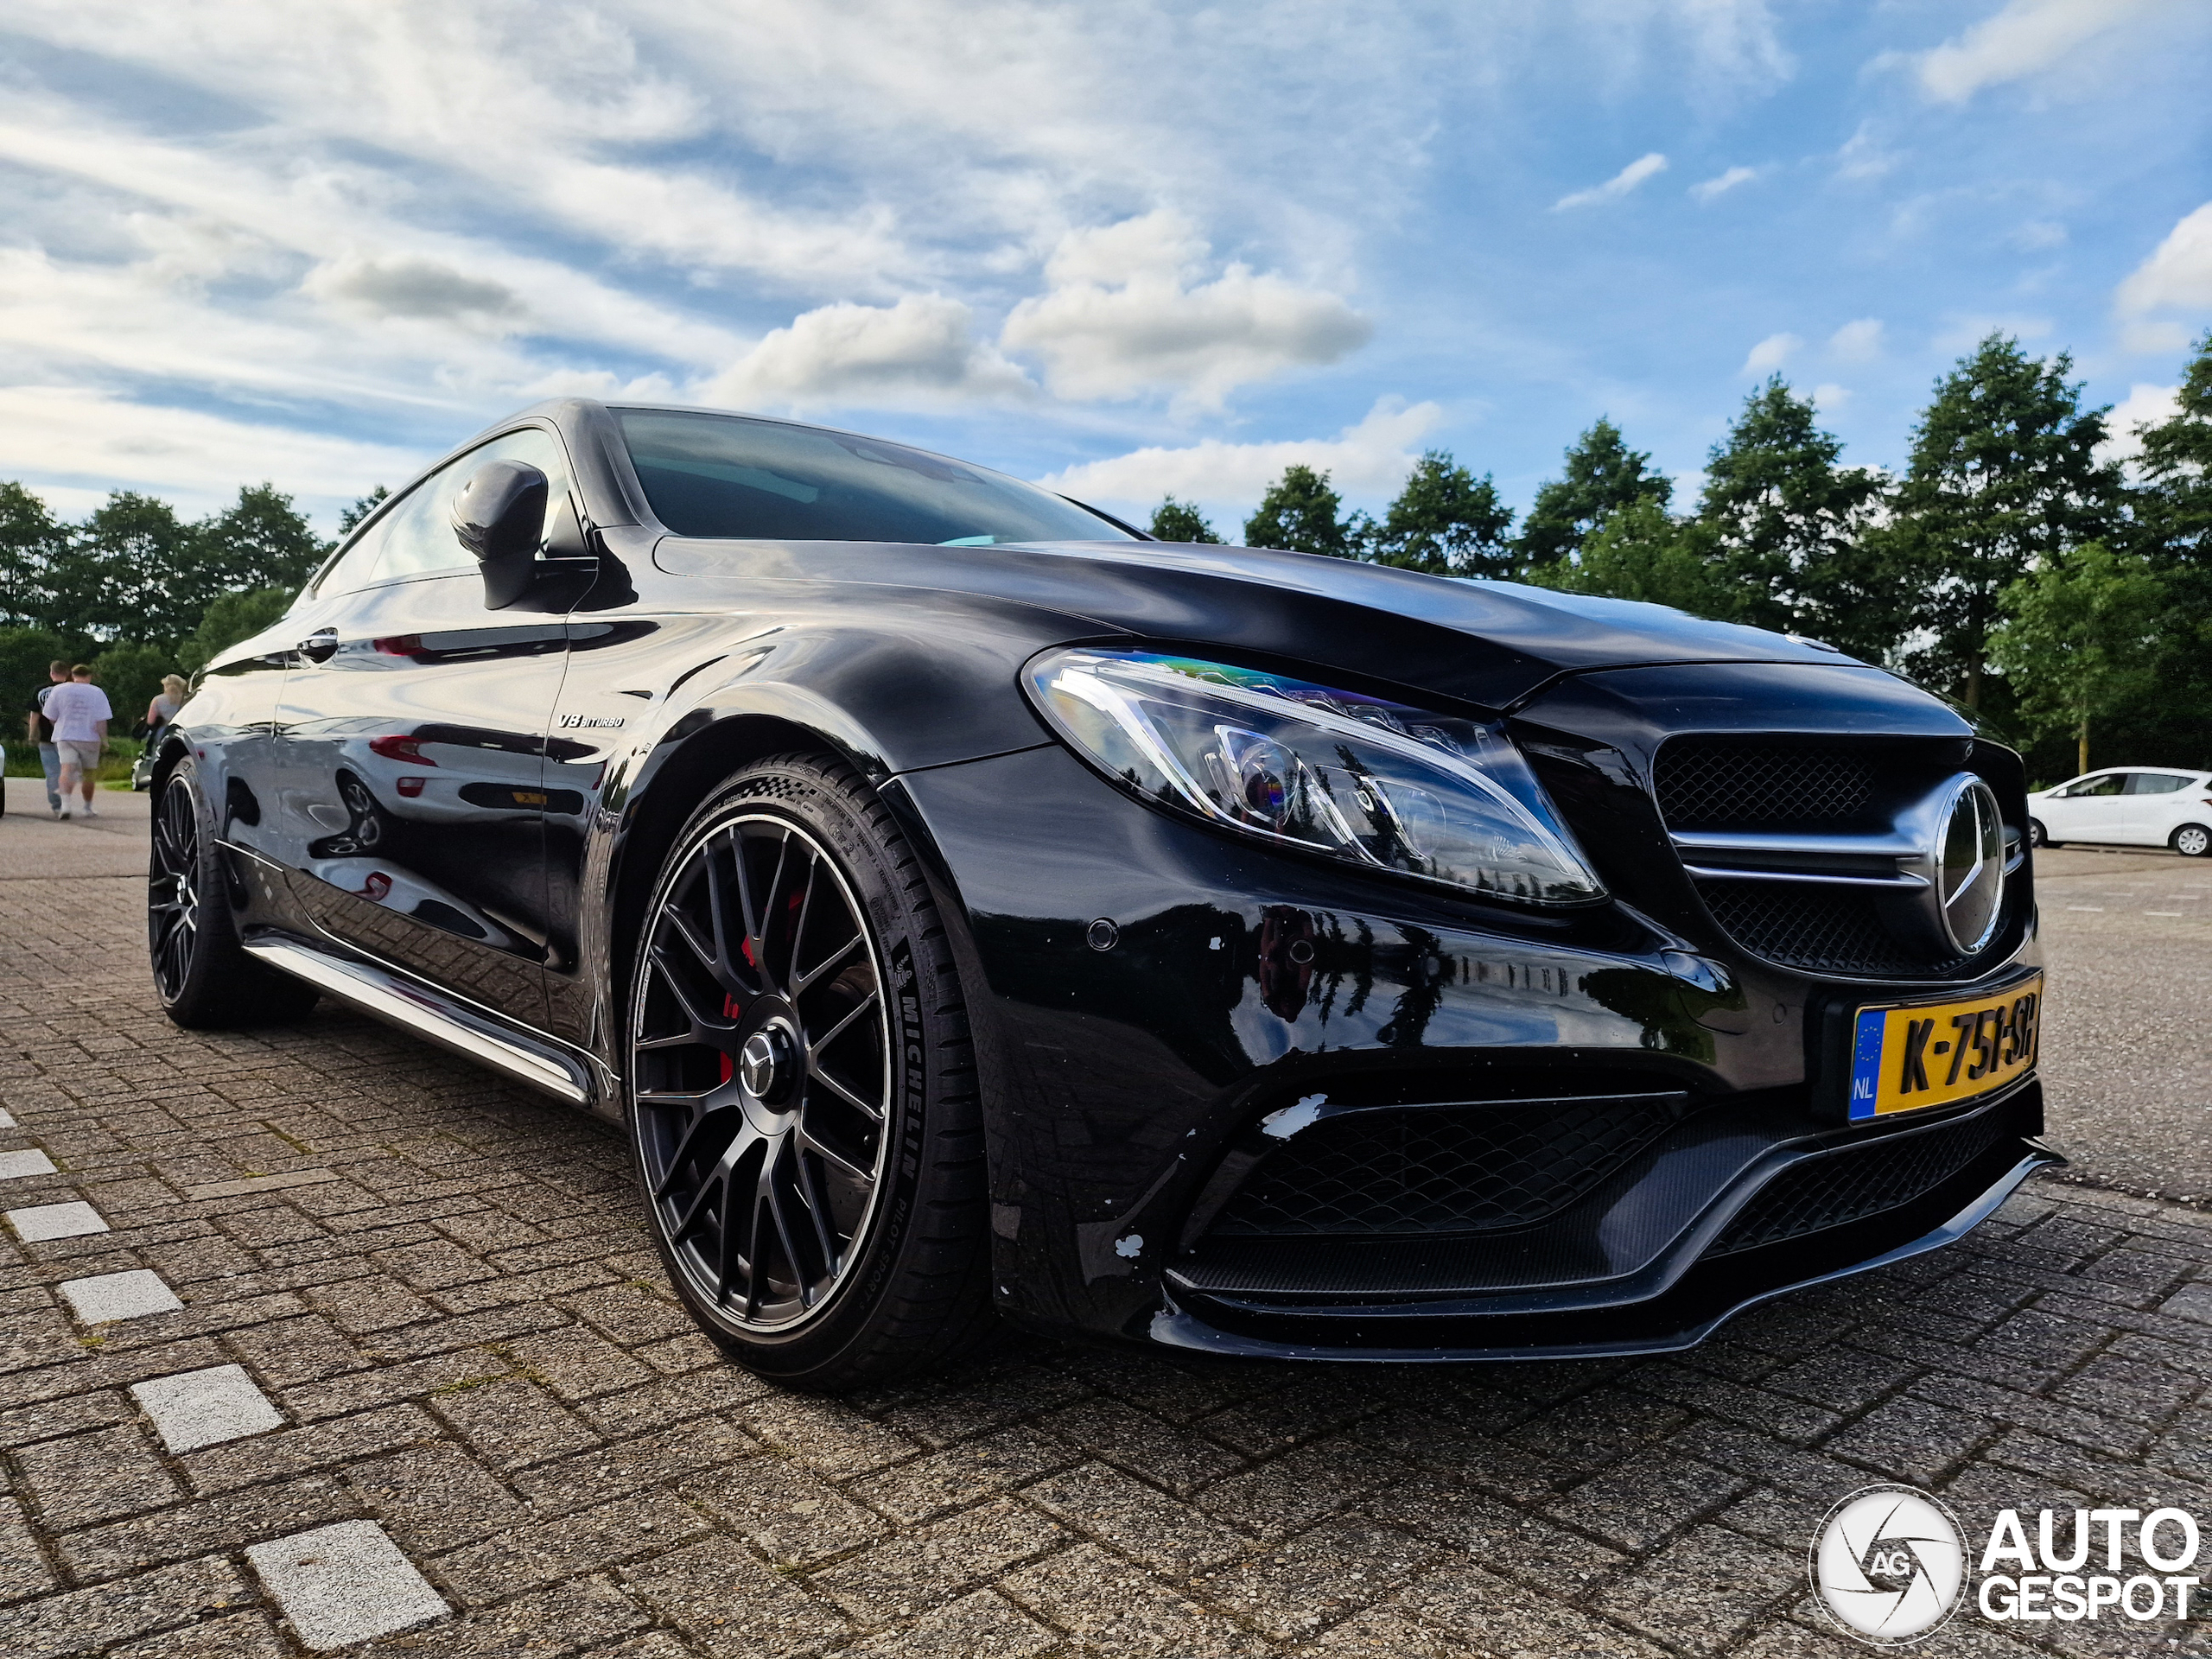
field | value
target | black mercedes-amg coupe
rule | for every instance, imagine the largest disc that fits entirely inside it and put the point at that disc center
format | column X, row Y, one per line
column 972, row 909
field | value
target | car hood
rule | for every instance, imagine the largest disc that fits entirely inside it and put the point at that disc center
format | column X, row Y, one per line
column 1490, row 643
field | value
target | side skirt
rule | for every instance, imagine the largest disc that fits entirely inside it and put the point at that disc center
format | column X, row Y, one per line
column 423, row 1012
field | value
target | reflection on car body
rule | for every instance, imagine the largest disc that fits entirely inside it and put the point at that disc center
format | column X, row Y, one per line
column 972, row 908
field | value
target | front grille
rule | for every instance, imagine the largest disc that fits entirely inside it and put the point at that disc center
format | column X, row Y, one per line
column 1856, row 1182
column 1827, row 929
column 1443, row 1169
column 1735, row 786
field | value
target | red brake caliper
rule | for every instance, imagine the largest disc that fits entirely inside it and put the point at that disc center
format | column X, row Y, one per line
column 730, row 1012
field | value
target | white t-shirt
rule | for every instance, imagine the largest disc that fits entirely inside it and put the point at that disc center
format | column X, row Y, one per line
column 75, row 708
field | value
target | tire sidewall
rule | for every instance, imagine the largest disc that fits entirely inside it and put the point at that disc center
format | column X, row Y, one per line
column 807, row 795
column 2038, row 836
column 2175, row 840
column 207, row 874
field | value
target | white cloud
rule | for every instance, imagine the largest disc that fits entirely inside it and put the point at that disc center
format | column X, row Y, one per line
column 80, row 438
column 1123, row 316
column 1370, row 458
column 1771, row 354
column 1620, row 184
column 1828, row 396
column 2145, row 405
column 1863, row 155
column 1857, row 341
column 923, row 349
column 2026, row 38
column 2177, row 277
column 2038, row 234
column 1724, row 182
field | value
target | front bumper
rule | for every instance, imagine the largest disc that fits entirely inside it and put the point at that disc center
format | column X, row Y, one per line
column 1119, row 1083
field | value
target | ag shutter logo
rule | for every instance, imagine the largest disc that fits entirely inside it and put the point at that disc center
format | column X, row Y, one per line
column 1889, row 1565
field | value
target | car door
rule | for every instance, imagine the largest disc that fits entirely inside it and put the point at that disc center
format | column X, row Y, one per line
column 2091, row 809
column 414, row 735
column 2154, row 800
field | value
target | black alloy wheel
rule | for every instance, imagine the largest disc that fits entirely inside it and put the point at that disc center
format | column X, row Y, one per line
column 202, row 974
column 779, row 957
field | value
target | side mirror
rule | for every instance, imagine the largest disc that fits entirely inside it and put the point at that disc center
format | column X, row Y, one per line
column 499, row 516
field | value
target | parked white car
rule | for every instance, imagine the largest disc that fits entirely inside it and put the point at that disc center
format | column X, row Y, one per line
column 2132, row 806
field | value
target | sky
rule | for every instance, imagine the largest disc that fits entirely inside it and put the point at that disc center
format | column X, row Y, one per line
column 1120, row 247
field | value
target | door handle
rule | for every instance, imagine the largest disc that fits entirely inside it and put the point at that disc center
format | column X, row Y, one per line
column 318, row 646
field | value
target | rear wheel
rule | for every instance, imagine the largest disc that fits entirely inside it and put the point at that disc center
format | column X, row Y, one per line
column 2192, row 840
column 2039, row 836
column 201, row 973
column 803, row 1097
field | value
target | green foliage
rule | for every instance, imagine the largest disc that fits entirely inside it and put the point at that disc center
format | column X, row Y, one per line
column 1786, row 521
column 130, row 675
column 133, row 570
column 1445, row 521
column 2002, row 478
column 1602, row 473
column 360, row 510
column 1179, row 521
column 2082, row 635
column 229, row 619
column 111, row 579
column 1641, row 551
column 1300, row 513
column 30, row 536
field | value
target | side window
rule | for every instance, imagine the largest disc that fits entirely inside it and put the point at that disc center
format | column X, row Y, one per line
column 356, row 566
column 420, row 540
column 2108, row 783
column 2154, row 783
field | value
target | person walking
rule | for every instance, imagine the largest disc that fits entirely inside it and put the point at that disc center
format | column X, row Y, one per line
column 162, row 709
column 79, row 712
column 39, row 730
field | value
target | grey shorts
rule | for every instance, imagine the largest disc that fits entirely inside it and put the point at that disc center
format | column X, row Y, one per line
column 86, row 756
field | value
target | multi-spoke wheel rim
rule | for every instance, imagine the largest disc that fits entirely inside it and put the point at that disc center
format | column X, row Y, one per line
column 760, row 1059
column 172, row 890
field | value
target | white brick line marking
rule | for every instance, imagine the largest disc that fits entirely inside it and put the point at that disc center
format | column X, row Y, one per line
column 7, row 1119
column 14, row 1164
column 345, row 1584
column 118, row 1296
column 196, row 1409
column 44, row 1221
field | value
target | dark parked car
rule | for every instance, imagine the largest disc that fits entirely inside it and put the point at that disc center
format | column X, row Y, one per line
column 973, row 908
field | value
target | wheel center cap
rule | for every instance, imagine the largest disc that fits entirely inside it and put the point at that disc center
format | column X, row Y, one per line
column 765, row 1064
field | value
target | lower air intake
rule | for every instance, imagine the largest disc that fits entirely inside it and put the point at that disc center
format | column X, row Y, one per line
column 1856, row 1182
column 1443, row 1169
column 1826, row 930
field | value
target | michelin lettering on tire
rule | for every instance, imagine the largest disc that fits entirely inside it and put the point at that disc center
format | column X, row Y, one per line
column 1889, row 1565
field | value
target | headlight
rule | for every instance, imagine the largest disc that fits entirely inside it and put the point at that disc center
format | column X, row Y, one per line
column 1336, row 772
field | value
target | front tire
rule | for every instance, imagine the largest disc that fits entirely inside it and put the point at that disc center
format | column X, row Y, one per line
column 802, row 1089
column 2039, row 836
column 2192, row 840
column 202, row 974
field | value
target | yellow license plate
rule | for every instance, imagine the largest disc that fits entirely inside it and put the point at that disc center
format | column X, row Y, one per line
column 1914, row 1055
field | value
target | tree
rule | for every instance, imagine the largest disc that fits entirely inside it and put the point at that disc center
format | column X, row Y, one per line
column 1786, row 521
column 2002, row 479
column 111, row 580
column 1445, row 521
column 260, row 541
column 1602, row 473
column 2080, row 637
column 30, row 537
column 362, row 508
column 2176, row 464
column 1300, row 513
column 1641, row 551
column 229, row 619
column 1180, row 521
column 130, row 674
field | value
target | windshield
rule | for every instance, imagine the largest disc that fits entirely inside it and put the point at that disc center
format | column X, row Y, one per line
column 726, row 476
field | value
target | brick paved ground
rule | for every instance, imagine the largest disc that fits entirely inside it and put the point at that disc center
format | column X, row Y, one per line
column 443, row 1287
